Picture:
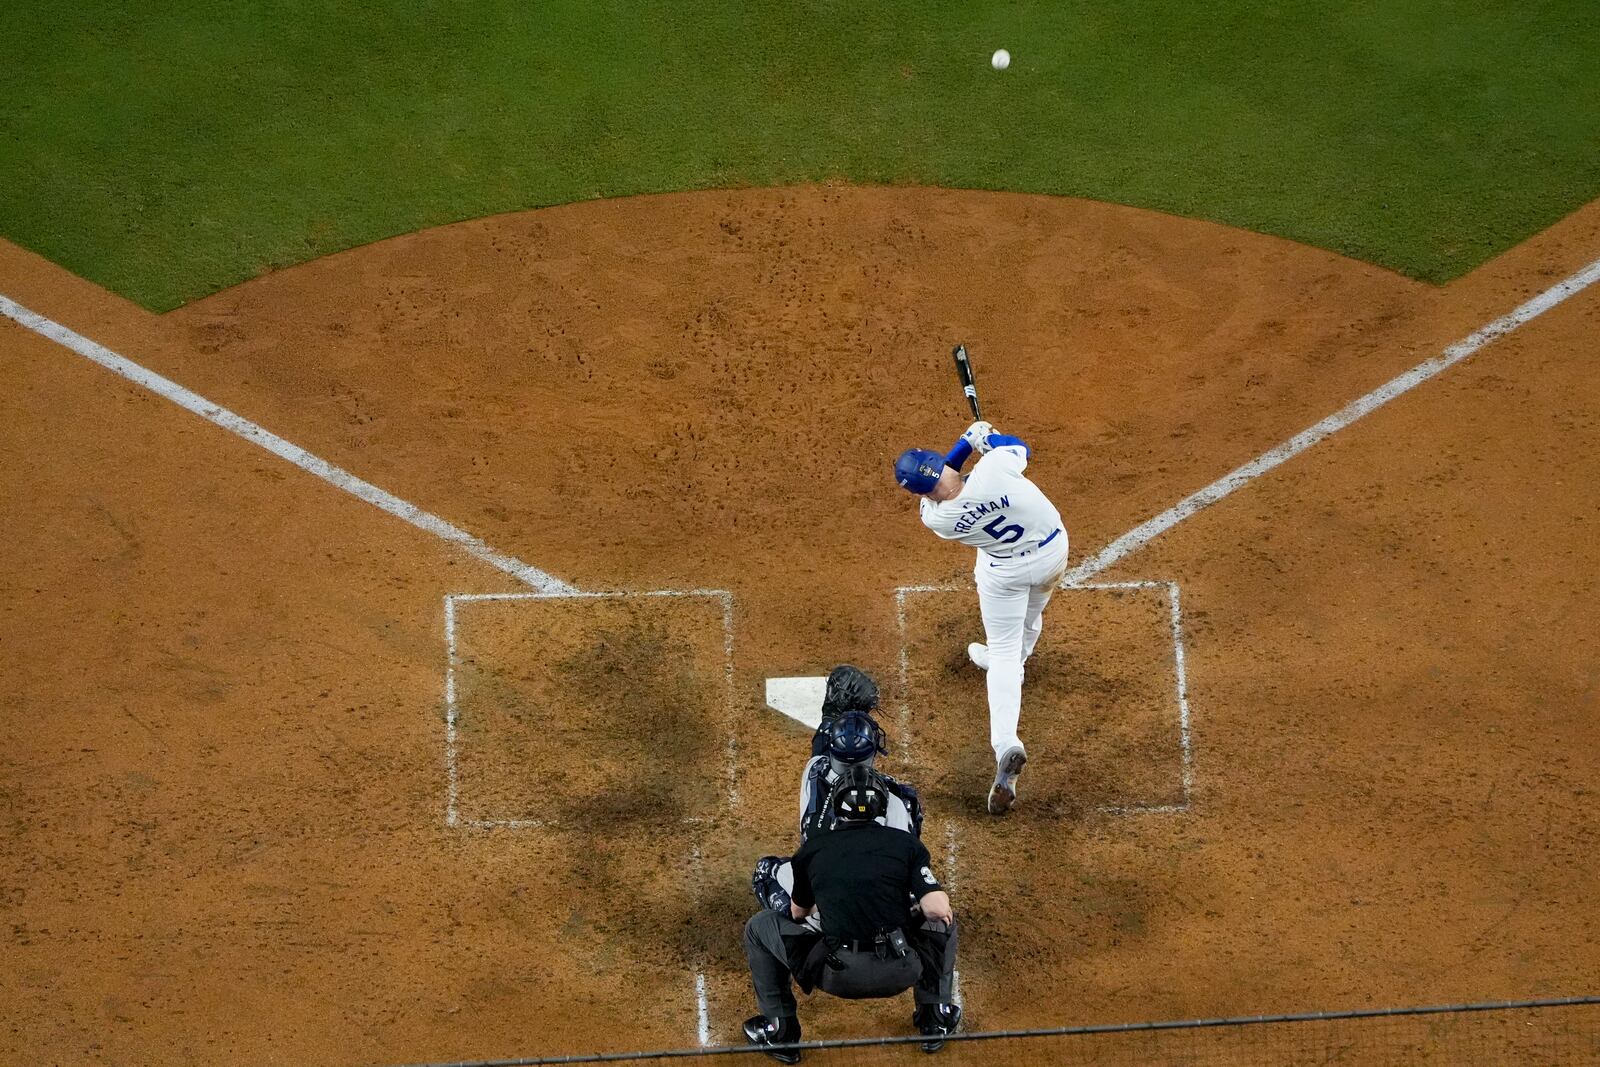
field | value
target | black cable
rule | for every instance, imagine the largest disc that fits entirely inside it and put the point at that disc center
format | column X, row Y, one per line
column 1062, row 1031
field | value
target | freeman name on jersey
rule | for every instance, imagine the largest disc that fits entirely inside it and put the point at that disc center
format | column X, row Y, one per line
column 970, row 517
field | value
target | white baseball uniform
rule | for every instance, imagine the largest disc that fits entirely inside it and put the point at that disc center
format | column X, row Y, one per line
column 1022, row 553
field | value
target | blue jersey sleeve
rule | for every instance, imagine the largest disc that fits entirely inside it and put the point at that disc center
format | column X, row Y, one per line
column 997, row 440
column 959, row 454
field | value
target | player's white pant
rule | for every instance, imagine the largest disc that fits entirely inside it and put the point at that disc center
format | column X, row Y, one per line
column 1012, row 594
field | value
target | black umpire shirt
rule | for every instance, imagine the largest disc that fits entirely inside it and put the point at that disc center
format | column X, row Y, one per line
column 864, row 877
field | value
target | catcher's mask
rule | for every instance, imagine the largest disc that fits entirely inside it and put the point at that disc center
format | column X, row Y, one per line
column 854, row 740
column 859, row 797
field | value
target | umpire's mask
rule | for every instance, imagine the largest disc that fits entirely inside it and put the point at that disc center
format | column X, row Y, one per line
column 859, row 797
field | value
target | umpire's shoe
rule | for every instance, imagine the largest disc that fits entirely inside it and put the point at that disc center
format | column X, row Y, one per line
column 935, row 1022
column 1003, row 794
column 765, row 1033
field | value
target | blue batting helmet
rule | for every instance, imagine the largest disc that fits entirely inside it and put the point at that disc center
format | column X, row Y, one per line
column 918, row 470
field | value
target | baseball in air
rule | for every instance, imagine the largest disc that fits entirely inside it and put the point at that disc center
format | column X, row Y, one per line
column 1000, row 60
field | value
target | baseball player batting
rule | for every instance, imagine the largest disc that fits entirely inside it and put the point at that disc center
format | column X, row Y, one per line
column 1022, row 553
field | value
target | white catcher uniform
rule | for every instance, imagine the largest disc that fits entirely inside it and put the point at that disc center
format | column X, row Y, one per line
column 1022, row 554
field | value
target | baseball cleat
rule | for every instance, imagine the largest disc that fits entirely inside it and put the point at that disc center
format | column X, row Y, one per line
column 1003, row 794
column 764, row 1033
column 978, row 653
column 935, row 1022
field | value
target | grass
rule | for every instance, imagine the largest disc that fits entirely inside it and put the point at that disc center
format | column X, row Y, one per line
column 167, row 153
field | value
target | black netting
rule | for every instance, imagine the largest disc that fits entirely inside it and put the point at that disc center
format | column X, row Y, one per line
column 1565, row 1031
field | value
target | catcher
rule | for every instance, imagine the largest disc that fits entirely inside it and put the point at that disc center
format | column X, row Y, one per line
column 847, row 737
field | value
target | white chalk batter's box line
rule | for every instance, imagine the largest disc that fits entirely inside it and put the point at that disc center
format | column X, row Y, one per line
column 452, row 816
column 1179, row 675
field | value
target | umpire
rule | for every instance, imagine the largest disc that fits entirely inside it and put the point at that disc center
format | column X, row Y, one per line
column 863, row 877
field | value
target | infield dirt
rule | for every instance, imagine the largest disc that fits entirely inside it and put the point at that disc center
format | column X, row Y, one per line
column 224, row 793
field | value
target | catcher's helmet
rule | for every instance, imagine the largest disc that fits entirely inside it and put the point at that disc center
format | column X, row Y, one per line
column 918, row 470
column 853, row 738
column 849, row 689
column 859, row 797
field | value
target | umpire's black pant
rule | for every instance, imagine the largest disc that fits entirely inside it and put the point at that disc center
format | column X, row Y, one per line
column 779, row 948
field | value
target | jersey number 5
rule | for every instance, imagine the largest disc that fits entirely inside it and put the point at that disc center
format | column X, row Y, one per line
column 1003, row 535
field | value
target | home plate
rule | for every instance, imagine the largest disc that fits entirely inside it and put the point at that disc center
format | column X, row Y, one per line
column 798, row 698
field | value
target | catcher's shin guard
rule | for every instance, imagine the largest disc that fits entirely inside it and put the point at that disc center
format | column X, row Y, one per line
column 770, row 894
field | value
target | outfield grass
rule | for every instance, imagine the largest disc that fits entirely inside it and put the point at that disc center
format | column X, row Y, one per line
column 169, row 155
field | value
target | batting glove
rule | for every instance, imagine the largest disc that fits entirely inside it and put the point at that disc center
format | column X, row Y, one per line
column 977, row 435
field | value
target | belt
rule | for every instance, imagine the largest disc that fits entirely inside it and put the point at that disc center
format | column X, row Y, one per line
column 1027, row 551
column 863, row 944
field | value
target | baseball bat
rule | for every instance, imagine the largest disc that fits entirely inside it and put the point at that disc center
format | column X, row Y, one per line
column 969, row 385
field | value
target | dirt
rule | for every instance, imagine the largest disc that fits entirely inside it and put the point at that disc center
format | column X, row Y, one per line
column 591, row 714
column 224, row 801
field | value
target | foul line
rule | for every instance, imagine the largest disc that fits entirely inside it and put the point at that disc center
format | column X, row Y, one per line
column 702, row 1027
column 1145, row 532
column 256, row 435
